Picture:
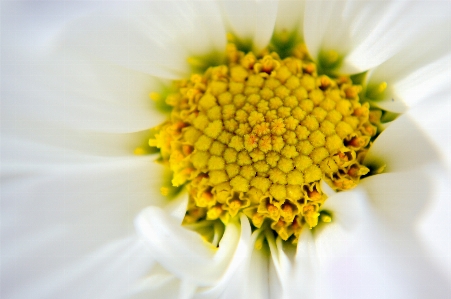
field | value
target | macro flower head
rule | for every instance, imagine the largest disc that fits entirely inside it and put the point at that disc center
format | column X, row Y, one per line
column 226, row 149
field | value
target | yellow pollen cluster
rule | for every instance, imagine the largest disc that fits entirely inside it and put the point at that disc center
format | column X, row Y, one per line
column 259, row 134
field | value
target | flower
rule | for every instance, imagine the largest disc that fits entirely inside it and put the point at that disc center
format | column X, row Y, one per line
column 76, row 220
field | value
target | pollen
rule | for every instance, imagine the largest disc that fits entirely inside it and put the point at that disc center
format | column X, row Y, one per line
column 258, row 135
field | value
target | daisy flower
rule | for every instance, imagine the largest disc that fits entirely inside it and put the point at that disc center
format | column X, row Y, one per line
column 229, row 149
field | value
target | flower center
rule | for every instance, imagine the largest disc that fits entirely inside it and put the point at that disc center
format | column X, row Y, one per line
column 259, row 134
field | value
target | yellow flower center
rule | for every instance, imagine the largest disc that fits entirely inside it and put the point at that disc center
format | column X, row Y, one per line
column 259, row 134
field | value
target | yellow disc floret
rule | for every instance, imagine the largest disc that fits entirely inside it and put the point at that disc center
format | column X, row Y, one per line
column 258, row 135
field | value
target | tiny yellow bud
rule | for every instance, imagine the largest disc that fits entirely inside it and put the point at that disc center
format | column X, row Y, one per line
column 312, row 174
column 278, row 191
column 203, row 143
column 214, row 129
column 216, row 163
column 260, row 183
column 201, row 122
column 240, row 184
column 214, row 213
column 295, row 177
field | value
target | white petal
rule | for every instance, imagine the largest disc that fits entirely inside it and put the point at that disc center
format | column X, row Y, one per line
column 357, row 257
column 103, row 197
column 251, row 20
column 154, row 37
column 64, row 216
column 46, row 149
column 434, row 120
column 160, row 283
column 290, row 16
column 404, row 145
column 184, row 252
column 187, row 289
column 348, row 210
column 247, row 272
column 400, row 198
column 57, row 87
column 282, row 265
column 258, row 275
column 382, row 256
column 296, row 269
column 177, row 206
column 29, row 27
column 93, row 96
column 274, row 283
column 56, row 271
column 365, row 33
column 435, row 225
column 304, row 268
column 417, row 72
column 157, row 285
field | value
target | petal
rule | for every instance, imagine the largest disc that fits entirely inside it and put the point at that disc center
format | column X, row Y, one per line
column 251, row 20
column 257, row 284
column 434, row 227
column 306, row 262
column 365, row 33
column 29, row 27
column 177, row 206
column 73, row 216
column 57, row 264
column 282, row 265
column 382, row 256
column 349, row 211
column 158, row 284
column 418, row 72
column 357, row 257
column 247, row 271
column 49, row 150
column 404, row 145
column 290, row 16
column 434, row 120
column 400, row 198
column 274, row 283
column 184, row 252
column 392, row 260
column 93, row 96
column 51, row 85
column 154, row 37
column 103, row 196
column 296, row 270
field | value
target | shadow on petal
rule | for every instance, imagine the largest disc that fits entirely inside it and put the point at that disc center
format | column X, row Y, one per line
column 401, row 147
column 400, row 198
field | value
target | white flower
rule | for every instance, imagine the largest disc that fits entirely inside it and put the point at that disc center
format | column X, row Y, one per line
column 82, row 217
